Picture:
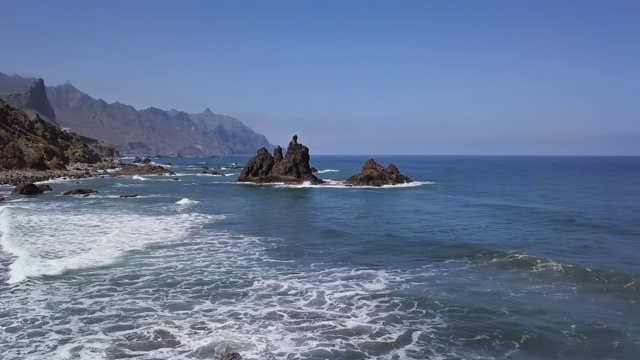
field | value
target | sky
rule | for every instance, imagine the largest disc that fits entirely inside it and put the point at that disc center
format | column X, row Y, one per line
column 356, row 76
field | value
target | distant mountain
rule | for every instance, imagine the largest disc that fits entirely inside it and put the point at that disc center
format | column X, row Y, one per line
column 34, row 100
column 150, row 131
column 12, row 84
column 227, row 130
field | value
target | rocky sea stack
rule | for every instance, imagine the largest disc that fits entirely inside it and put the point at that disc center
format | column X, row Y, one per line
column 374, row 174
column 293, row 167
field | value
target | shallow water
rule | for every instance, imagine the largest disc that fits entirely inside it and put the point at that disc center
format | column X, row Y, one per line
column 481, row 258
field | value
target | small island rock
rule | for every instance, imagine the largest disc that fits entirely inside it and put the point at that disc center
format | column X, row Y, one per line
column 293, row 167
column 374, row 174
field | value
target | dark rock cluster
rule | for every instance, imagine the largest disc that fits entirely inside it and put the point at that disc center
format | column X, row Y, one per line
column 147, row 169
column 293, row 167
column 374, row 174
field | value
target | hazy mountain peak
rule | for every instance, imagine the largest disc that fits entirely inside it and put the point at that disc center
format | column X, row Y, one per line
column 34, row 98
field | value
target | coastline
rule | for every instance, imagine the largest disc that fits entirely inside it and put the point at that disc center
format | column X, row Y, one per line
column 73, row 171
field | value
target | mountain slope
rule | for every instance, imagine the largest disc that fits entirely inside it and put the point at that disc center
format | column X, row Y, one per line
column 228, row 130
column 34, row 100
column 37, row 144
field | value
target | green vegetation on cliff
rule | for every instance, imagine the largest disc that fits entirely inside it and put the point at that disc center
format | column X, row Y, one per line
column 38, row 144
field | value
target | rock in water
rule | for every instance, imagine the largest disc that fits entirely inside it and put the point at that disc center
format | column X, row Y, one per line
column 27, row 189
column 80, row 192
column 374, row 174
column 125, row 196
column 146, row 169
column 1, row 198
column 45, row 187
column 293, row 167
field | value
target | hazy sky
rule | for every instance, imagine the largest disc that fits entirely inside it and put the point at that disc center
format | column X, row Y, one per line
column 356, row 77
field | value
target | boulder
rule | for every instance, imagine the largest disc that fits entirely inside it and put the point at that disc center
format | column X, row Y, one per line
column 27, row 189
column 146, row 169
column 1, row 198
column 137, row 160
column 45, row 187
column 374, row 174
column 293, row 167
column 146, row 161
column 216, row 173
column 204, row 167
column 85, row 192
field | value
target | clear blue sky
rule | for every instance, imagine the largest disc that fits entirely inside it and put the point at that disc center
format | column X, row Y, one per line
column 356, row 77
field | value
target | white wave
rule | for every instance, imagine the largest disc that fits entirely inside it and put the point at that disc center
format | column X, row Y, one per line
column 138, row 177
column 339, row 184
column 327, row 171
column 50, row 242
column 186, row 203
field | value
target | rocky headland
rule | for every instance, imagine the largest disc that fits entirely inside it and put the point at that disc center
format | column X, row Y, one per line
column 293, row 167
column 374, row 174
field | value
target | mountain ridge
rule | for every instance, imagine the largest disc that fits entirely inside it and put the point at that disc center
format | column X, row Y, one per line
column 152, row 130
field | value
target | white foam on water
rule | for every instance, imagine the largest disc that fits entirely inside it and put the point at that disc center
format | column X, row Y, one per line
column 339, row 184
column 327, row 171
column 50, row 242
column 216, row 289
column 141, row 178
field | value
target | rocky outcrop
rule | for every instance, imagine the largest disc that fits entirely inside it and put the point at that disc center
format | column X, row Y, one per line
column 27, row 189
column 37, row 144
column 293, row 167
column 147, row 169
column 374, row 174
column 80, row 192
column 34, row 100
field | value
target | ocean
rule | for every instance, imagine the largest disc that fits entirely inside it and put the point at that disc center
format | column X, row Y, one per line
column 480, row 258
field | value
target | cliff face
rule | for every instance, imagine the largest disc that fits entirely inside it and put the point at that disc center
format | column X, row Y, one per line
column 38, row 144
column 34, row 100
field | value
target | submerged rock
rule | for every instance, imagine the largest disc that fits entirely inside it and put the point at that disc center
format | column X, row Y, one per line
column 125, row 196
column 374, row 174
column 85, row 192
column 27, row 189
column 293, row 167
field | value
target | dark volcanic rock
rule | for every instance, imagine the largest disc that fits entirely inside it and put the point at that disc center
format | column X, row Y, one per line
column 27, row 189
column 146, row 161
column 137, row 160
column 45, row 187
column 143, row 170
column 292, row 168
column 216, row 173
column 125, row 196
column 1, row 198
column 80, row 192
column 314, row 170
column 374, row 174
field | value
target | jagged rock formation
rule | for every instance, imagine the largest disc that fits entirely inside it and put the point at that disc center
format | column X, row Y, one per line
column 293, row 167
column 37, row 144
column 374, row 174
column 34, row 100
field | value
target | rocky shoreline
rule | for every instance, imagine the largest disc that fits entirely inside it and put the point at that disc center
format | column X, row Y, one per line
column 73, row 171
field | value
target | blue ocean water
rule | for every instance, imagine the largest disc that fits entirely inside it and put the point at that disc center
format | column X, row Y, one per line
column 482, row 258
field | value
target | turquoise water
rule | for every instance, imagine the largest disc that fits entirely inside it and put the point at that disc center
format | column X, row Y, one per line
column 484, row 257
